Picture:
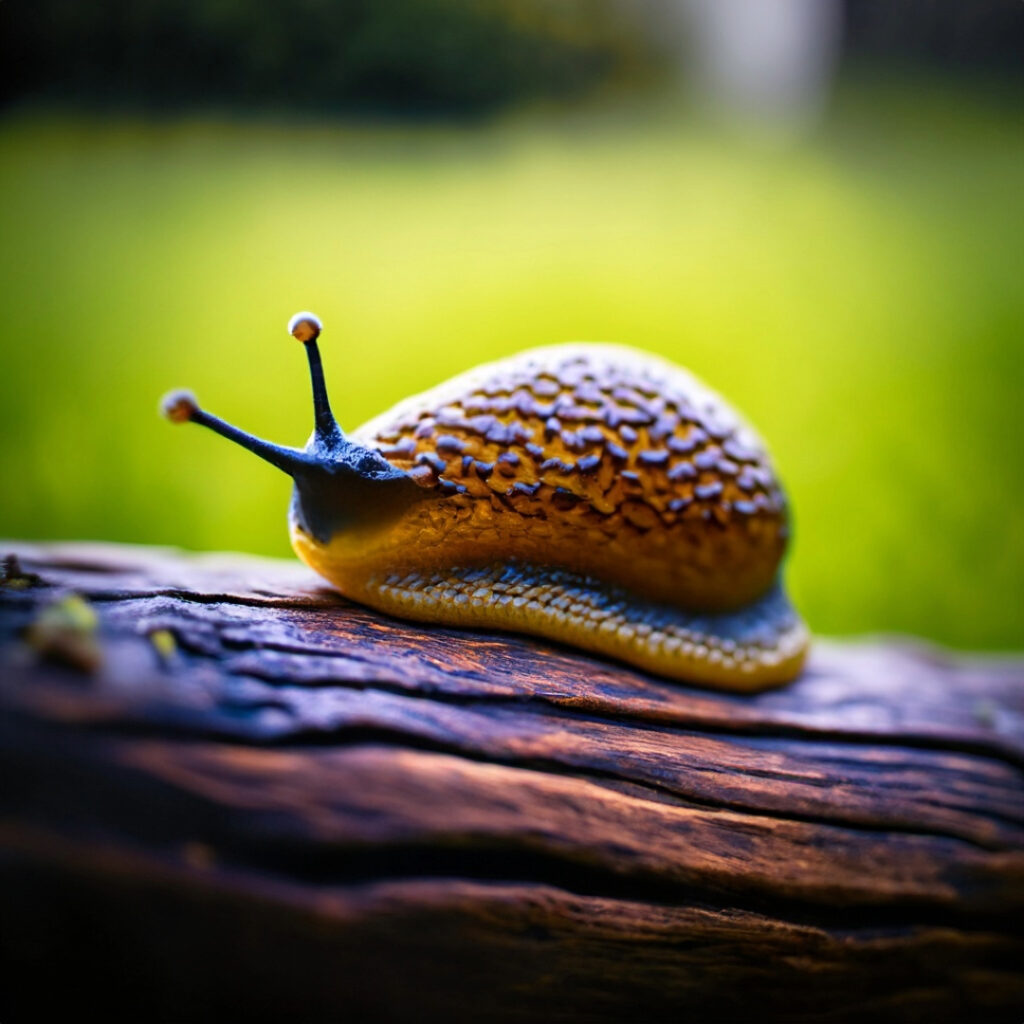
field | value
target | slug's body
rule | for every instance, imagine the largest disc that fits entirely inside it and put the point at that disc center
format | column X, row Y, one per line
column 590, row 494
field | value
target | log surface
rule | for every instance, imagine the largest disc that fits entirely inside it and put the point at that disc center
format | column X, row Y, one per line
column 269, row 803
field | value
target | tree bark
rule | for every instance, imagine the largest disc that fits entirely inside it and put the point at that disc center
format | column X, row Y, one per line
column 241, row 797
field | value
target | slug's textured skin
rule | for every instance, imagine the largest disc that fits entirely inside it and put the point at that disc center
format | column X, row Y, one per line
column 590, row 494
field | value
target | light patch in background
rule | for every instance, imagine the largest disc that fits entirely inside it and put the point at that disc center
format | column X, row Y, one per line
column 766, row 65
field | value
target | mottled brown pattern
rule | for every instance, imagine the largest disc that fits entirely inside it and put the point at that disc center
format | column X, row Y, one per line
column 591, row 426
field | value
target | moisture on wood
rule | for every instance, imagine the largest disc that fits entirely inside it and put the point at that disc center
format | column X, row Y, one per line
column 253, row 800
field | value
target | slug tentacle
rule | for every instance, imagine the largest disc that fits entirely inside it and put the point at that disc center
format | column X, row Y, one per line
column 340, row 485
column 307, row 327
column 180, row 406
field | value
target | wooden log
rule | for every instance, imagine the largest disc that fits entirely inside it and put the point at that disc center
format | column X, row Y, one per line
column 242, row 797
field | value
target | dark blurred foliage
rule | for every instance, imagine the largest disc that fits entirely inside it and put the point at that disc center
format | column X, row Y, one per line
column 374, row 55
column 969, row 34
column 410, row 56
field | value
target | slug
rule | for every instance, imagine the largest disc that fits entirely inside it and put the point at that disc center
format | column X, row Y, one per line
column 590, row 494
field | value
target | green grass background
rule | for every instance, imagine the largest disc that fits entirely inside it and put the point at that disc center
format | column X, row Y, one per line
column 859, row 296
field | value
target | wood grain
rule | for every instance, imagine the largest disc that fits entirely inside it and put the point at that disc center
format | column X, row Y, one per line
column 270, row 803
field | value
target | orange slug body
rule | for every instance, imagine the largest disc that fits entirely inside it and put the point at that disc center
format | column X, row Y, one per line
column 590, row 494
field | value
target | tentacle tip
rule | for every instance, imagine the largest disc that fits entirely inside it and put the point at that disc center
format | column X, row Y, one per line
column 179, row 406
column 305, row 326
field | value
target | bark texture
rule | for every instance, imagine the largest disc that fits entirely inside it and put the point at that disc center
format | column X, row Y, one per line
column 240, row 797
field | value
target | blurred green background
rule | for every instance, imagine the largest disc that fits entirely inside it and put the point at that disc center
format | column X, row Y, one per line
column 853, row 284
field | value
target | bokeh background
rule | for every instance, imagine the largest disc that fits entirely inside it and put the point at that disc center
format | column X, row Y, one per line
column 817, row 206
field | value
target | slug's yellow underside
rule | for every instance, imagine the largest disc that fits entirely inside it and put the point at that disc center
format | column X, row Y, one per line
column 590, row 494
column 752, row 649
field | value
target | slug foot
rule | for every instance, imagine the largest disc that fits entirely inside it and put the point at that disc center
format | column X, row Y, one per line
column 757, row 647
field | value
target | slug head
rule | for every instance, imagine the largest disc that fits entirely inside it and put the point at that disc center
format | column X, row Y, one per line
column 340, row 486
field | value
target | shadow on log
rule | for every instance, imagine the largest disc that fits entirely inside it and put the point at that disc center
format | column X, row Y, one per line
column 243, row 798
